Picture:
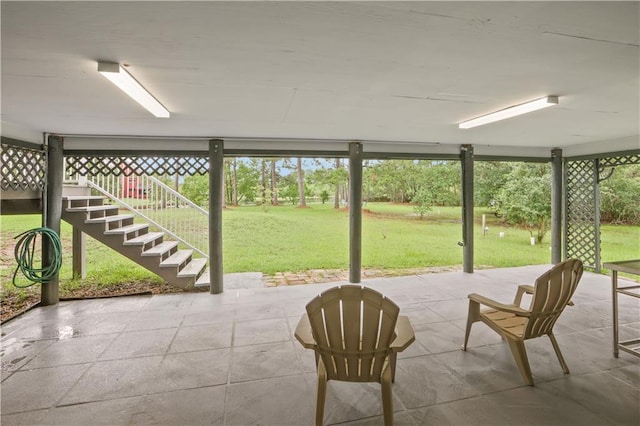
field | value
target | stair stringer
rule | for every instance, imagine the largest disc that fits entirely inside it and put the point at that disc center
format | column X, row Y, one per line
column 116, row 241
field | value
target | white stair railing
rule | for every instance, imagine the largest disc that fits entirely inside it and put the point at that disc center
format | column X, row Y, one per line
column 158, row 204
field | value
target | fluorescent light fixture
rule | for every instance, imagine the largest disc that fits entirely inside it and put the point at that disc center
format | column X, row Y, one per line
column 129, row 85
column 524, row 108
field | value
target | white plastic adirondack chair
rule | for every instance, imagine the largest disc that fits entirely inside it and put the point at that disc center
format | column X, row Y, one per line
column 551, row 294
column 356, row 334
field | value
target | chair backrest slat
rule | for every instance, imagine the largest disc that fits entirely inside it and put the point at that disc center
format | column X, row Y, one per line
column 386, row 332
column 333, row 325
column 553, row 291
column 370, row 320
column 316, row 319
column 351, row 313
column 353, row 327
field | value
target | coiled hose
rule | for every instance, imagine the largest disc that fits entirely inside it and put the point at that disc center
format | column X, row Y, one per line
column 25, row 251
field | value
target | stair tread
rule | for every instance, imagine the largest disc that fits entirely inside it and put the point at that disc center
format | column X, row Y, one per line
column 93, row 208
column 128, row 228
column 113, row 218
column 161, row 248
column 177, row 258
column 143, row 239
column 83, row 197
column 204, row 280
column 193, row 268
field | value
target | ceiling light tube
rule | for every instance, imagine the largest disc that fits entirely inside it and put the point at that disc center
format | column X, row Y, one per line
column 524, row 108
column 129, row 85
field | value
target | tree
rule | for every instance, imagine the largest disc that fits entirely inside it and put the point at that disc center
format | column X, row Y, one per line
column 248, row 175
column 262, row 189
column 422, row 201
column 336, row 198
column 441, row 179
column 265, row 199
column 274, row 183
column 196, row 189
column 324, row 177
column 489, row 178
column 160, row 197
column 619, row 195
column 227, row 182
column 234, row 181
column 223, row 185
column 303, row 201
column 391, row 180
column 289, row 188
column 526, row 197
column 400, row 180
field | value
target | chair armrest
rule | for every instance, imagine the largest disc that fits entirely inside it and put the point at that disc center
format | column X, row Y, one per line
column 303, row 333
column 522, row 289
column 404, row 334
column 529, row 289
column 499, row 306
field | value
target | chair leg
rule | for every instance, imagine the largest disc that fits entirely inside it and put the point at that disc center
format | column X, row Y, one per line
column 392, row 365
column 556, row 348
column 520, row 356
column 472, row 316
column 322, row 393
column 387, row 398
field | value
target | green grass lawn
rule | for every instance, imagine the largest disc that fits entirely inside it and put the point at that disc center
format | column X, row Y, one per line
column 287, row 238
column 433, row 240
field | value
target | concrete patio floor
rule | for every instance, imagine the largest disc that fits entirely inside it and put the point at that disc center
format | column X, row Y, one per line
column 191, row 359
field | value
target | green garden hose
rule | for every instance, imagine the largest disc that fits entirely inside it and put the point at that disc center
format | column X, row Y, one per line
column 24, row 253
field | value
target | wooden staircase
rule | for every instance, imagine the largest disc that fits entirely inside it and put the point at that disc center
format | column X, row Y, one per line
column 148, row 249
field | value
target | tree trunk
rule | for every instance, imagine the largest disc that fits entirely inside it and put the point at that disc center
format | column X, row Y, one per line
column 224, row 186
column 225, row 182
column 336, row 198
column 303, row 202
column 263, row 175
column 274, row 184
column 345, row 187
column 234, row 181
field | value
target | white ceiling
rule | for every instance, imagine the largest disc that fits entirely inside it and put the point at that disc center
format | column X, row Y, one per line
column 402, row 74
